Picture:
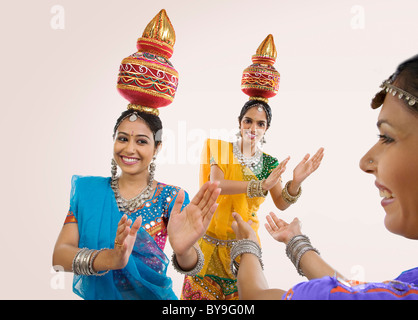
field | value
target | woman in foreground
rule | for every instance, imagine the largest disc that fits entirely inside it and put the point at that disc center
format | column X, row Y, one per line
column 394, row 162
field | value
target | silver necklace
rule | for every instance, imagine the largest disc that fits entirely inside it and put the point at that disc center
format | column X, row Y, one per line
column 130, row 205
column 250, row 162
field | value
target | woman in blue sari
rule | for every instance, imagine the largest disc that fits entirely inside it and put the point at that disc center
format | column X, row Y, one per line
column 116, row 228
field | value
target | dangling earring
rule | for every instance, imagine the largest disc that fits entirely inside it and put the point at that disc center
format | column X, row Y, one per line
column 238, row 134
column 262, row 141
column 114, row 169
column 152, row 167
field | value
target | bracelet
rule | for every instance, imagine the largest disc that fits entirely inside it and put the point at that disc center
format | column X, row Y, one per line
column 287, row 196
column 296, row 248
column 244, row 246
column 198, row 267
column 255, row 189
column 83, row 262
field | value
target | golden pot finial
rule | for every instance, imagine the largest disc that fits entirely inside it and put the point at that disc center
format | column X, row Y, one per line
column 267, row 48
column 160, row 28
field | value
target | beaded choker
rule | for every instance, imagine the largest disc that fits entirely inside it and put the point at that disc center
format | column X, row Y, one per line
column 130, row 205
column 251, row 162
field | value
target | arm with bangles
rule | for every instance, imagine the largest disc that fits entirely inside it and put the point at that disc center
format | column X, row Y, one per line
column 311, row 264
column 272, row 184
column 66, row 247
column 251, row 282
column 184, row 229
column 282, row 198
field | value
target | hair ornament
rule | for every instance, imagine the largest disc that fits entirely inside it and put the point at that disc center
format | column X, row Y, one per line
column 388, row 87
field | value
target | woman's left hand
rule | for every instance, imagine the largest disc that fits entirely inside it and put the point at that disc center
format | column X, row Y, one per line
column 307, row 166
column 189, row 225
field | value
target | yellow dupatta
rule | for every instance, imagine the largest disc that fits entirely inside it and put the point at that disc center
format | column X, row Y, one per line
column 221, row 153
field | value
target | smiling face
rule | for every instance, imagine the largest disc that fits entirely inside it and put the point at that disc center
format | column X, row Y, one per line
column 394, row 162
column 133, row 147
column 253, row 125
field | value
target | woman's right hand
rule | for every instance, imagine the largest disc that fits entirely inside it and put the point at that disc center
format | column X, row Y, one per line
column 281, row 230
column 275, row 175
column 243, row 229
column 124, row 241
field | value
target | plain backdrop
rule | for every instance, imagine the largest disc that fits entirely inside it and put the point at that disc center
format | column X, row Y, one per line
column 59, row 65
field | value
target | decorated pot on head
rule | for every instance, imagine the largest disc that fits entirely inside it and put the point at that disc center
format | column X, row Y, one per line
column 147, row 79
column 260, row 81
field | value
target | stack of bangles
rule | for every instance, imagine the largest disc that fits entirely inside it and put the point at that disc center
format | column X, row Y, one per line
column 83, row 262
column 196, row 269
column 296, row 247
column 244, row 246
column 287, row 196
column 255, row 189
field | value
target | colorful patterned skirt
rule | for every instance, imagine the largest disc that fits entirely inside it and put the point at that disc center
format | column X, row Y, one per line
column 217, row 283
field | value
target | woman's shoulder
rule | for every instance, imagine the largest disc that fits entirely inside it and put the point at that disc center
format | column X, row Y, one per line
column 217, row 151
column 332, row 288
column 169, row 188
column 217, row 142
column 270, row 158
column 166, row 193
column 79, row 181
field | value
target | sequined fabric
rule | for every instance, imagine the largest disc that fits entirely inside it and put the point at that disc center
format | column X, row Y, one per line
column 215, row 281
column 93, row 207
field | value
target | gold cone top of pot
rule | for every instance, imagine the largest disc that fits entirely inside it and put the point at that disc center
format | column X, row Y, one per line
column 161, row 29
column 266, row 52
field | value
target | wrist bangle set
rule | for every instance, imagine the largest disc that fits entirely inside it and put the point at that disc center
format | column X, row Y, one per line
column 255, row 189
column 83, row 262
column 196, row 269
column 296, row 247
column 287, row 196
column 244, row 246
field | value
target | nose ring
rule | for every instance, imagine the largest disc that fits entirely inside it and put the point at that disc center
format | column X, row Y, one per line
column 370, row 161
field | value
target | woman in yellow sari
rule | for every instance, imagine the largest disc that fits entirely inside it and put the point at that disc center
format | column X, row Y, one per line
column 246, row 175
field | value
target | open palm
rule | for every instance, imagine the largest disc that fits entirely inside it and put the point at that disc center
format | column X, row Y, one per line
column 307, row 166
column 281, row 230
column 124, row 241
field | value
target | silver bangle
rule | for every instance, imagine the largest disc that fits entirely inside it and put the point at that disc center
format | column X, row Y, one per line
column 91, row 269
column 296, row 248
column 83, row 262
column 198, row 267
column 241, row 247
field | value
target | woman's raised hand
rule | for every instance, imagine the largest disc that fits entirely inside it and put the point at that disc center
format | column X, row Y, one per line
column 307, row 166
column 275, row 175
column 189, row 225
column 243, row 229
column 124, row 241
column 281, row 230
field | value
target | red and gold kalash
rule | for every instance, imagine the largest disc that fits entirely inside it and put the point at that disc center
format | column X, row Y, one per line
column 261, row 80
column 147, row 79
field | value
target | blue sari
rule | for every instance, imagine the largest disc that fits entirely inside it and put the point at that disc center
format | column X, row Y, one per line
column 93, row 206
